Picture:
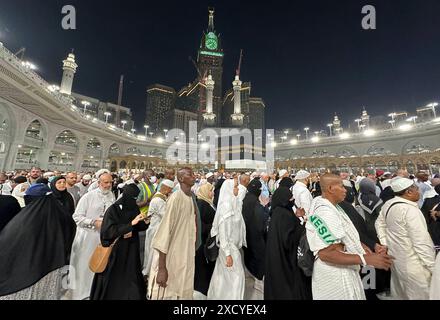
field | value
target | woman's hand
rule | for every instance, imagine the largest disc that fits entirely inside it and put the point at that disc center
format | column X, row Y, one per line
column 137, row 219
column 229, row 261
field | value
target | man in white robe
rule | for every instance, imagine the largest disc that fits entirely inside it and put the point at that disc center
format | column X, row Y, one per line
column 401, row 227
column 175, row 244
column 301, row 194
column 156, row 211
column 336, row 245
column 88, row 217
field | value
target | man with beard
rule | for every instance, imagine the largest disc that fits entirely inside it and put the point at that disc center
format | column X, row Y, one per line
column 88, row 217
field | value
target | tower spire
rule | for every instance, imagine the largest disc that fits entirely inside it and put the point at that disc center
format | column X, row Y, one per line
column 211, row 20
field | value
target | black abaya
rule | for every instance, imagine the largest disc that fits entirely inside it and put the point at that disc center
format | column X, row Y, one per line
column 204, row 268
column 284, row 280
column 9, row 207
column 122, row 279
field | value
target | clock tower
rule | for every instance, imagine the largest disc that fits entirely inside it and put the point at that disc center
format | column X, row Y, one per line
column 210, row 58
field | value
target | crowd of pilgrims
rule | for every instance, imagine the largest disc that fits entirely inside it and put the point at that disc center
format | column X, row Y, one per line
column 220, row 235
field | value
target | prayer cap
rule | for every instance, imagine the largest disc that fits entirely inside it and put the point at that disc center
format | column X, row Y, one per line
column 302, row 174
column 282, row 172
column 168, row 183
column 399, row 184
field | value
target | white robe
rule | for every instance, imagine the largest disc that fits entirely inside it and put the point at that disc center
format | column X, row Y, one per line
column 91, row 207
column 435, row 282
column 333, row 282
column 303, row 197
column 405, row 233
column 229, row 227
column 156, row 211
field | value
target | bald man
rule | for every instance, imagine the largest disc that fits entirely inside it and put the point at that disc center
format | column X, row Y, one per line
column 175, row 243
column 88, row 216
column 335, row 242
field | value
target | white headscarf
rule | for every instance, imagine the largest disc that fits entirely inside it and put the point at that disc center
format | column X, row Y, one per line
column 227, row 205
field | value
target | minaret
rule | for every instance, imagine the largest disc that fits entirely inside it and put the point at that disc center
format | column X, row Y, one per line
column 237, row 116
column 337, row 124
column 209, row 116
column 365, row 119
column 69, row 70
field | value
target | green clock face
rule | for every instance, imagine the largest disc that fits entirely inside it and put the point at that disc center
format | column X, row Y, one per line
column 211, row 41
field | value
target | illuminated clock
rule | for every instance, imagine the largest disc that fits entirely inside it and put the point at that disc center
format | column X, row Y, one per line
column 211, row 41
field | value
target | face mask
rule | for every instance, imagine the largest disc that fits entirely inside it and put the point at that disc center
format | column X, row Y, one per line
column 153, row 179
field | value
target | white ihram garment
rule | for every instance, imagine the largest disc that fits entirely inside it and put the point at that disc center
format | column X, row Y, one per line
column 91, row 207
column 229, row 227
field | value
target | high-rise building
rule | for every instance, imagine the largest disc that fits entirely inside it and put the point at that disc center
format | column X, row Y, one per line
column 204, row 97
column 160, row 102
column 256, row 113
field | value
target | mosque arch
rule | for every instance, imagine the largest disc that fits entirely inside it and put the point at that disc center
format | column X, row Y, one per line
column 114, row 149
column 36, row 130
column 416, row 147
column 94, row 144
column 66, row 138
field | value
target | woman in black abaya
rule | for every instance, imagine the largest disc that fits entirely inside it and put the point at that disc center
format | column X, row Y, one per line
column 35, row 248
column 122, row 279
column 60, row 193
column 284, row 280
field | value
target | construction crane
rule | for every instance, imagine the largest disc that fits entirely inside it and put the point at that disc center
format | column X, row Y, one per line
column 201, row 77
column 237, row 72
column 21, row 51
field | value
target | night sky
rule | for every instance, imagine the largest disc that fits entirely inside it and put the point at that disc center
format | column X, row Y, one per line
column 306, row 59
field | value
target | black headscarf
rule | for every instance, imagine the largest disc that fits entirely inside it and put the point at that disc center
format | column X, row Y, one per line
column 63, row 197
column 130, row 193
column 287, row 183
column 217, row 188
column 36, row 242
column 254, row 187
column 281, row 199
column 368, row 199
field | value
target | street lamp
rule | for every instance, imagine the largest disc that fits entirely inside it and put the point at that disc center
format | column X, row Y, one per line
column 85, row 104
column 358, row 123
column 330, row 125
column 133, row 130
column 392, row 122
column 165, row 132
column 107, row 114
column 433, row 106
column 146, row 130
column 151, row 134
column 413, row 119
column 307, row 132
column 124, row 122
column 286, row 132
column 298, row 136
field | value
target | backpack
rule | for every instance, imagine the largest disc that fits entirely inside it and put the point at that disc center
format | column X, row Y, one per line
column 305, row 257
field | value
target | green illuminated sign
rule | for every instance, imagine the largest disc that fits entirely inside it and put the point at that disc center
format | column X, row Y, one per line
column 216, row 54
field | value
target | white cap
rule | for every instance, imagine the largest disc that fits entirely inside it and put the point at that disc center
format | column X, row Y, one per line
column 399, row 184
column 302, row 174
column 168, row 183
column 87, row 177
column 282, row 172
column 209, row 175
column 101, row 172
column 48, row 174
